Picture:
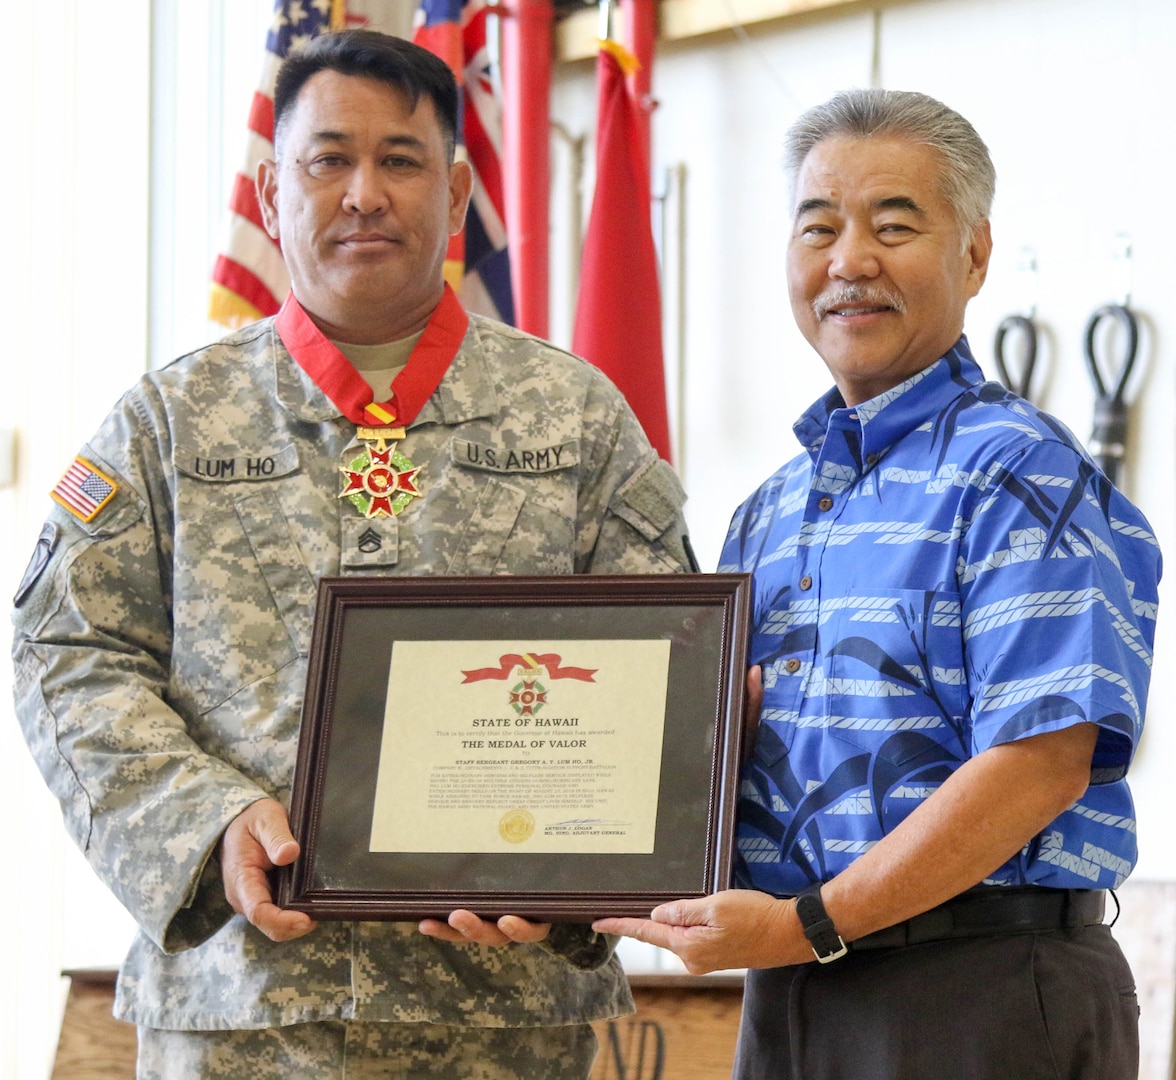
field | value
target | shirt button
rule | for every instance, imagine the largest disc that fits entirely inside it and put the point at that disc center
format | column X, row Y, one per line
column 825, row 504
column 792, row 666
column 806, row 582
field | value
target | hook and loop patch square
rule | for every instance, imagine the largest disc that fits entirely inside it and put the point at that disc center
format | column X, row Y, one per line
column 84, row 489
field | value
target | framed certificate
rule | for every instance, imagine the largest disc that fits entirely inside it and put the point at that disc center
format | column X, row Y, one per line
column 559, row 748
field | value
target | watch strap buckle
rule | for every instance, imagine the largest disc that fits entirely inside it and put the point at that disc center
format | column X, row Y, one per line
column 826, row 943
column 828, row 958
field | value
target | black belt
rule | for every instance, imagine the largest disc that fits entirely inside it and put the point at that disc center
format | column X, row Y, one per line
column 994, row 910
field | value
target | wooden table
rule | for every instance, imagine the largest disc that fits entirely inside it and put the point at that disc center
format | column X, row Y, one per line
column 684, row 1029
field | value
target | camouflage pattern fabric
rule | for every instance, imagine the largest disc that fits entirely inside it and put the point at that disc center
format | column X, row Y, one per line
column 161, row 652
column 333, row 1050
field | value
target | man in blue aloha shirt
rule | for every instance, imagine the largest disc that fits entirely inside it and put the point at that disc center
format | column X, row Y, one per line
column 954, row 614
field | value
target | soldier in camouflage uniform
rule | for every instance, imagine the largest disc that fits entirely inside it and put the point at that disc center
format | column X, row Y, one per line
column 163, row 625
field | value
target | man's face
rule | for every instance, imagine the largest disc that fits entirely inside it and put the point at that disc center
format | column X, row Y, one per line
column 363, row 201
column 877, row 273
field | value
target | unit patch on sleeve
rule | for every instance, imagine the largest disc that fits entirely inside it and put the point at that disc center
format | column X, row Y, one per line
column 84, row 490
column 46, row 544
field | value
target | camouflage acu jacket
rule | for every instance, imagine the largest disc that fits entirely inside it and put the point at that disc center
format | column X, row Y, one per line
column 161, row 650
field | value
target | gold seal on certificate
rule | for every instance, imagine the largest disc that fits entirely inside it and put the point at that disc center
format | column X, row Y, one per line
column 516, row 826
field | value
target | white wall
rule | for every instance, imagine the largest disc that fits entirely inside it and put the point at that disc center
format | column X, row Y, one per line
column 76, row 176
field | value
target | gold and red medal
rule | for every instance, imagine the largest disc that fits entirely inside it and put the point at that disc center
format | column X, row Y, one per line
column 381, row 482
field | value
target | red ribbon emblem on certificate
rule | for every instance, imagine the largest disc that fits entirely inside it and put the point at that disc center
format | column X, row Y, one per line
column 532, row 662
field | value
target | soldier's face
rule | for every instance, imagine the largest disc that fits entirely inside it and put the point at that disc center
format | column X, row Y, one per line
column 363, row 201
column 878, row 273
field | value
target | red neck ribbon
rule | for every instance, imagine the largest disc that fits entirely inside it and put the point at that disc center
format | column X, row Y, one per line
column 334, row 375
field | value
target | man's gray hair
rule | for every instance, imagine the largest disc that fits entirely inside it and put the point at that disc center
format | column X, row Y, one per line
column 968, row 177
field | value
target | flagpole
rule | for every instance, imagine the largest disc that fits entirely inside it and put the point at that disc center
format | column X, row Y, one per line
column 526, row 122
column 640, row 23
column 604, row 24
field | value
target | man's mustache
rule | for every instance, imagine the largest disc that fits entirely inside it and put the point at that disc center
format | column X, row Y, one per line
column 847, row 295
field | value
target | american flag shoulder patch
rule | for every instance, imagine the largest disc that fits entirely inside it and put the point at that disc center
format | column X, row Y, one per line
column 84, row 490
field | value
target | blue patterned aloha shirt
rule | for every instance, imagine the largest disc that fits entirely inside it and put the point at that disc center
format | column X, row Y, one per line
column 942, row 571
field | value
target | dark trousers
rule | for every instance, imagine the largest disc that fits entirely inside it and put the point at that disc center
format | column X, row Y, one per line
column 1059, row 1005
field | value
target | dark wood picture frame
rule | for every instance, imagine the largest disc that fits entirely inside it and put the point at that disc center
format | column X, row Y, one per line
column 358, row 620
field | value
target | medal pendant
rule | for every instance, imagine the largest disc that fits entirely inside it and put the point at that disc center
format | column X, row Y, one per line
column 381, row 481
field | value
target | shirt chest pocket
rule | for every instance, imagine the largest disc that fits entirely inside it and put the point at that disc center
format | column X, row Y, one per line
column 895, row 677
column 244, row 598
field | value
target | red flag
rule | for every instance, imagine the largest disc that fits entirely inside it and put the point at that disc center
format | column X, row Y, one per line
column 618, row 313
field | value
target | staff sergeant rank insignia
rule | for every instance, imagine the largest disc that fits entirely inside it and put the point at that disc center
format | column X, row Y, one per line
column 381, row 482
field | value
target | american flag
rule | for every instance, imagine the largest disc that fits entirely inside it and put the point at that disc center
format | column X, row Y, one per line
column 478, row 264
column 249, row 280
column 84, row 490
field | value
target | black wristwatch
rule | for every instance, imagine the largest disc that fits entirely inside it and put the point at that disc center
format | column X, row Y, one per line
column 818, row 927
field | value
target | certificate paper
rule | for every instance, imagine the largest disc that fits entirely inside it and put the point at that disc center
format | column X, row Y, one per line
column 542, row 746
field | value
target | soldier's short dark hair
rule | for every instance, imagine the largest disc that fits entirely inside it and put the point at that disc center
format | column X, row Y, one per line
column 398, row 63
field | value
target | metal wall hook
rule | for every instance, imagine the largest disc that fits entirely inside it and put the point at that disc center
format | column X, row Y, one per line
column 1027, row 280
column 1123, row 267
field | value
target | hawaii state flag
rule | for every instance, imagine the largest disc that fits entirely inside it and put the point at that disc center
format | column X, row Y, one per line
column 478, row 263
column 618, row 312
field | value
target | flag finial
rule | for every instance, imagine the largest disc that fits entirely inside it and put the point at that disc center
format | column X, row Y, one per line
column 606, row 11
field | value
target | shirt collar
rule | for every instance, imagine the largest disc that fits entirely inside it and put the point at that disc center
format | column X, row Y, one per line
column 884, row 420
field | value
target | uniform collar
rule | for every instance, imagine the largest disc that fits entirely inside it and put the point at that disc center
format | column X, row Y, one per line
column 466, row 392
